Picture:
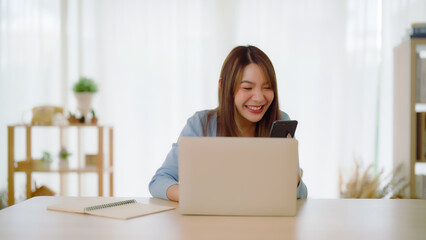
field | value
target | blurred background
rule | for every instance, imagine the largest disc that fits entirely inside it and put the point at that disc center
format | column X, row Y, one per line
column 157, row 62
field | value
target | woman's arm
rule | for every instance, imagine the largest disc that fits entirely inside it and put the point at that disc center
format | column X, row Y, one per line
column 164, row 183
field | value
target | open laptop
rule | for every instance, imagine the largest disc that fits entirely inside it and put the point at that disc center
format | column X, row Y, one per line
column 238, row 176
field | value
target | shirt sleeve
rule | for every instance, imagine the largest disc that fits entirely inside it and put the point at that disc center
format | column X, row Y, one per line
column 302, row 190
column 167, row 174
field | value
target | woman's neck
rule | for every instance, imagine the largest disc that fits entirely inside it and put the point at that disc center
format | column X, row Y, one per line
column 245, row 127
column 247, row 132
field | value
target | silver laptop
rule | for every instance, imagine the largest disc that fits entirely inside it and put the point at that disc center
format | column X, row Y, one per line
column 238, row 176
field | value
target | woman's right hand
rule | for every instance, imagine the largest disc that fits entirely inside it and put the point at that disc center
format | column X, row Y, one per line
column 173, row 193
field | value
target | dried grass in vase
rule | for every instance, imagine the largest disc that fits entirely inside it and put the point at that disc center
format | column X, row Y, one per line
column 363, row 183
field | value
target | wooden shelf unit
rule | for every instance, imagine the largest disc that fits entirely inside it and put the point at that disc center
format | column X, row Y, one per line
column 409, row 125
column 26, row 165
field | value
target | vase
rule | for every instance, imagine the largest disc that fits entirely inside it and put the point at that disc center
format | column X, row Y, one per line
column 63, row 164
column 84, row 102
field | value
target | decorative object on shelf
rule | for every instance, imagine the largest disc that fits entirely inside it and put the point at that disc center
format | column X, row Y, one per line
column 3, row 198
column 91, row 159
column 84, row 91
column 418, row 30
column 45, row 115
column 94, row 118
column 46, row 160
column 82, row 119
column 63, row 158
column 72, row 119
column 59, row 119
column 363, row 183
column 42, row 191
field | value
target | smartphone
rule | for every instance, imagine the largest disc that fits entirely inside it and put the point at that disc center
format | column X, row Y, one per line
column 281, row 128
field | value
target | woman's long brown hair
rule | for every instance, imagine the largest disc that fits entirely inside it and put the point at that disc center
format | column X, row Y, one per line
column 231, row 75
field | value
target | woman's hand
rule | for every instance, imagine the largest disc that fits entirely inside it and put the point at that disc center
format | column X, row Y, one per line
column 298, row 175
column 173, row 193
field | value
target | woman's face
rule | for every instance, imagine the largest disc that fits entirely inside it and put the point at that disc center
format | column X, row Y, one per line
column 253, row 96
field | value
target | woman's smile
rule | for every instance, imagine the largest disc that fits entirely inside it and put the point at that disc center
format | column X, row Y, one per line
column 255, row 108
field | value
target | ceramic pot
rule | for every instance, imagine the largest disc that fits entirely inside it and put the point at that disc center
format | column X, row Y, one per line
column 84, row 102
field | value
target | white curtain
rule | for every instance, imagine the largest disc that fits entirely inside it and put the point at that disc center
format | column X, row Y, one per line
column 157, row 62
column 30, row 75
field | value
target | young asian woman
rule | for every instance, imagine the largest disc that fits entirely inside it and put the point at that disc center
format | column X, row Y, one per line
column 248, row 105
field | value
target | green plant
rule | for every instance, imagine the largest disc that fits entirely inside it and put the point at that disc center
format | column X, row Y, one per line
column 85, row 84
column 93, row 113
column 3, row 199
column 64, row 154
column 46, row 157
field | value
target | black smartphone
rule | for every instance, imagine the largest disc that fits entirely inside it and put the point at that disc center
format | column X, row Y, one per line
column 281, row 128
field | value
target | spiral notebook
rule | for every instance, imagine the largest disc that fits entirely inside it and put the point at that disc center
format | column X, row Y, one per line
column 125, row 209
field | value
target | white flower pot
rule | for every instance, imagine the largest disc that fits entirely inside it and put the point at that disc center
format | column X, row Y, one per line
column 63, row 164
column 84, row 102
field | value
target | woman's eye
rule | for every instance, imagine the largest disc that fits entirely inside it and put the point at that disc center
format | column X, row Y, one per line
column 247, row 88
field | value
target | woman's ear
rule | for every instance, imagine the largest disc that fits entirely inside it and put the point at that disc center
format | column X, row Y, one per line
column 220, row 82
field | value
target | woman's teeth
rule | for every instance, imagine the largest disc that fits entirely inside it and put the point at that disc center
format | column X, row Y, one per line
column 254, row 108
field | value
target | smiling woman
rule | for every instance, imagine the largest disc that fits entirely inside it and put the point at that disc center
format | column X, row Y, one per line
column 248, row 96
column 248, row 105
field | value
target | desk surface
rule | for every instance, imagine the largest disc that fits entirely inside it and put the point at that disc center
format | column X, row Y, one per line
column 316, row 219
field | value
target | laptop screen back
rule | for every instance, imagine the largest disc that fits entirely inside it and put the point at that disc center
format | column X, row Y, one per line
column 238, row 176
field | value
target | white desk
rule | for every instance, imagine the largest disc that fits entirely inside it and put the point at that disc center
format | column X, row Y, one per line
column 316, row 219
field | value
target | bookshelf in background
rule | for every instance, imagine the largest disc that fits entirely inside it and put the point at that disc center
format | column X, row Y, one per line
column 410, row 105
column 29, row 166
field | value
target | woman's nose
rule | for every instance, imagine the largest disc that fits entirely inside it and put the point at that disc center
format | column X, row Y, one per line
column 258, row 95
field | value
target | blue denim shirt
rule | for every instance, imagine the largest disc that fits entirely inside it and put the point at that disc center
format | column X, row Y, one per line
column 167, row 174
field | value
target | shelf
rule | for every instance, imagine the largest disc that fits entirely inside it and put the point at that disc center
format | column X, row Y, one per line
column 61, row 126
column 69, row 170
column 420, row 107
column 409, row 142
column 30, row 165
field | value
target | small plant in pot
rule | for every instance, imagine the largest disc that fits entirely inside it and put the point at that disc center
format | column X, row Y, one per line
column 72, row 119
column 94, row 118
column 84, row 91
column 46, row 160
column 63, row 158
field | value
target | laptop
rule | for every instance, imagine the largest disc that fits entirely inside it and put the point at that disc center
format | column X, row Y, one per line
column 238, row 176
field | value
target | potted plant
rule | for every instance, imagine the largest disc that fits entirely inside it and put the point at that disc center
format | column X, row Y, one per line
column 72, row 119
column 94, row 118
column 63, row 158
column 46, row 160
column 3, row 198
column 84, row 91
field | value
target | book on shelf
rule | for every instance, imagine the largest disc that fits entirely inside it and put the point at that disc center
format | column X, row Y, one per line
column 421, row 186
column 421, row 79
column 418, row 30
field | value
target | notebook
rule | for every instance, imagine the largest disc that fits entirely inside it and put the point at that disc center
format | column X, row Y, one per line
column 238, row 176
column 111, row 208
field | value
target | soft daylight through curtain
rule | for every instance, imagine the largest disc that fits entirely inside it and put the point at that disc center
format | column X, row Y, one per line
column 157, row 62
